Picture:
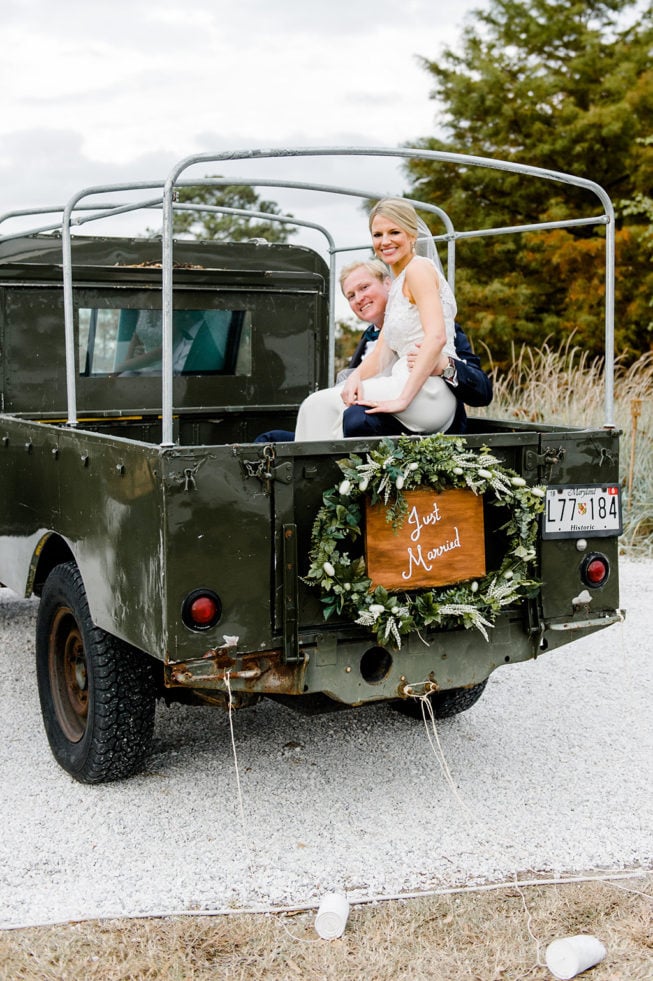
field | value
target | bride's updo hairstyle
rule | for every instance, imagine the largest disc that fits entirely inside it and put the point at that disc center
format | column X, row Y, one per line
column 399, row 211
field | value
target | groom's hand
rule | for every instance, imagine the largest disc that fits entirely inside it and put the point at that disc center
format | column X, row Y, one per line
column 443, row 360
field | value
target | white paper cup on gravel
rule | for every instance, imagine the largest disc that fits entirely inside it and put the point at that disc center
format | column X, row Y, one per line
column 569, row 956
column 332, row 916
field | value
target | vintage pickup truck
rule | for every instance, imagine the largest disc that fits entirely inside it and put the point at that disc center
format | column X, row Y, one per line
column 176, row 558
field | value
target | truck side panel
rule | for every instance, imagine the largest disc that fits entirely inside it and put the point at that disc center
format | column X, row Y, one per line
column 111, row 523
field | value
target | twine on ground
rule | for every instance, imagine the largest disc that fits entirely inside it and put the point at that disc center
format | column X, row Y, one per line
column 230, row 711
column 428, row 715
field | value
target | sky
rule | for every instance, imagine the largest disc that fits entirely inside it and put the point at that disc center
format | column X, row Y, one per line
column 97, row 92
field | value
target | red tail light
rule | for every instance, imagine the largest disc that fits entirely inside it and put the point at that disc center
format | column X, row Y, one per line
column 202, row 609
column 595, row 570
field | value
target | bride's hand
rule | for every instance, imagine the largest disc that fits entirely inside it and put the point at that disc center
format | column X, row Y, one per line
column 389, row 406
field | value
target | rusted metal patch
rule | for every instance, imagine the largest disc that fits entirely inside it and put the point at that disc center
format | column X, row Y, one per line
column 261, row 671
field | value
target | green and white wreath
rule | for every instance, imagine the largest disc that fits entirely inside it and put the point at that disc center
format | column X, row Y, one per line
column 440, row 462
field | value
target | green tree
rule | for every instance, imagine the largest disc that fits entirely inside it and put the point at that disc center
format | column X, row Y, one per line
column 346, row 341
column 221, row 226
column 566, row 85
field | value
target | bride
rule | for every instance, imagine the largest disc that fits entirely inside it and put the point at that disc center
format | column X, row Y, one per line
column 421, row 309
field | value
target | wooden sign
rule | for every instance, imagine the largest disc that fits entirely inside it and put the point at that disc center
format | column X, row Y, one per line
column 440, row 542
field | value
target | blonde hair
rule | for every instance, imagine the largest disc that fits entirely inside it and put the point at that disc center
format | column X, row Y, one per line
column 399, row 211
column 374, row 266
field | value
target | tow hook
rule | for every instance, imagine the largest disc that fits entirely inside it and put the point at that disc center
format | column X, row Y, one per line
column 417, row 689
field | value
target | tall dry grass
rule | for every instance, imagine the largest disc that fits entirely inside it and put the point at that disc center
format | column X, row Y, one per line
column 566, row 387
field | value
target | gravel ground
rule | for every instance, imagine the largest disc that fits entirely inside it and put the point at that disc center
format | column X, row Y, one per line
column 551, row 773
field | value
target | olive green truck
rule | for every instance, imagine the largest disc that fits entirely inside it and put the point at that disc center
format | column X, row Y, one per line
column 176, row 558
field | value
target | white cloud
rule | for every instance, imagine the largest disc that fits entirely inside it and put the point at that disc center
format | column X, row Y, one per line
column 134, row 76
column 107, row 92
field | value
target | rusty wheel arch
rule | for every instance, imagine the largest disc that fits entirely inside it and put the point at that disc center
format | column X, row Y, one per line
column 52, row 550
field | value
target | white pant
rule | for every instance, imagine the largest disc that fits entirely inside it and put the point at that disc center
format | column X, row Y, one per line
column 432, row 410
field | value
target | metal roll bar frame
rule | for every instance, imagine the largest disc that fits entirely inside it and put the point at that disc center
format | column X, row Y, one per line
column 168, row 204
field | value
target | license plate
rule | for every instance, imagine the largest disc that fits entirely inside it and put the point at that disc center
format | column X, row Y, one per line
column 573, row 512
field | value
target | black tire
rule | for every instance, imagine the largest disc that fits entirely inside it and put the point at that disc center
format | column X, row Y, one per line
column 97, row 693
column 445, row 704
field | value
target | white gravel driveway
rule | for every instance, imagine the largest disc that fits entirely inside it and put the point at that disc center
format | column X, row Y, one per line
column 552, row 772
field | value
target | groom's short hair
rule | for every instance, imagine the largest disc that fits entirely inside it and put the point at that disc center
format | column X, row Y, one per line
column 373, row 266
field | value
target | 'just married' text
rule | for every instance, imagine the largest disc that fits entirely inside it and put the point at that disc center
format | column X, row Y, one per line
column 440, row 542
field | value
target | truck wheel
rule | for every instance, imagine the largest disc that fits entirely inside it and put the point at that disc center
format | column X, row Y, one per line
column 445, row 704
column 97, row 693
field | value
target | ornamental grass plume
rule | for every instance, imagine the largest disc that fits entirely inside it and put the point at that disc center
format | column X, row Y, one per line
column 566, row 387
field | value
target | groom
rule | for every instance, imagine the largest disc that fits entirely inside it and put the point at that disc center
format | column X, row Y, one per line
column 365, row 285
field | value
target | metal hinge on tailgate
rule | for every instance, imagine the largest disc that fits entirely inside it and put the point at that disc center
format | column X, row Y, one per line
column 544, row 462
column 264, row 470
column 290, row 595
